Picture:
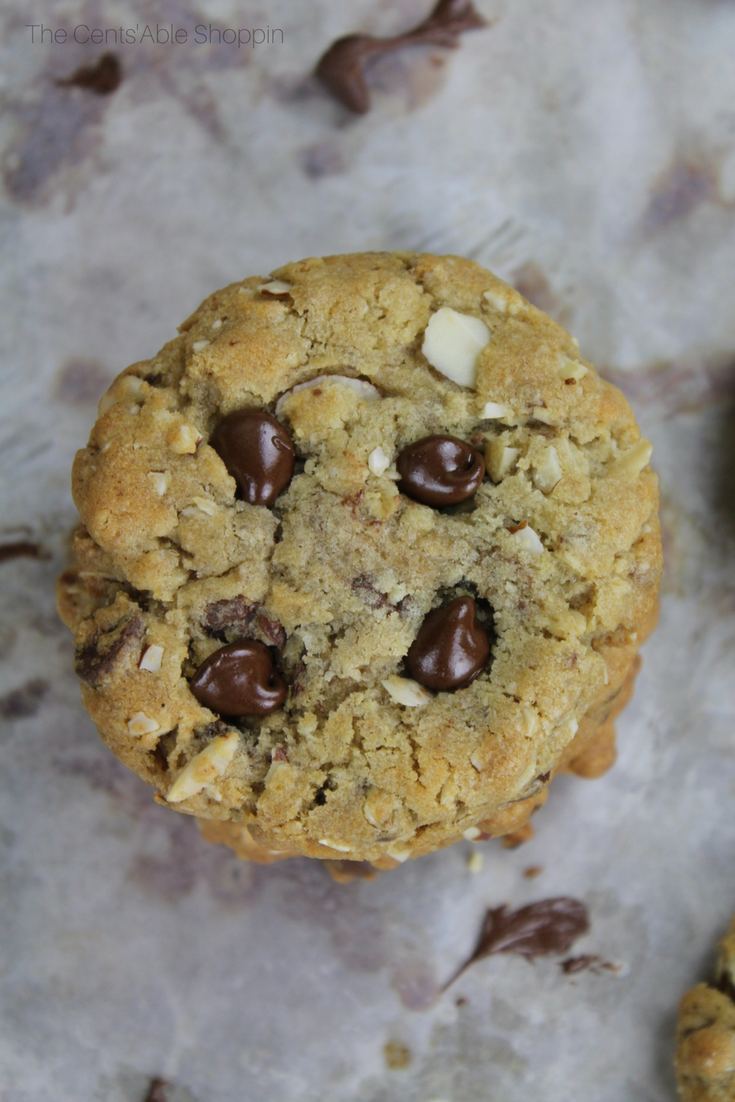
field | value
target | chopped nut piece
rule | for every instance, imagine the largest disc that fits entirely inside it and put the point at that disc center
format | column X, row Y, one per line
column 275, row 287
column 475, row 861
column 399, row 854
column 493, row 411
column 151, row 659
column 183, row 438
column 530, row 720
column 496, row 301
column 632, row 461
column 542, row 415
column 571, row 369
column 217, row 324
column 500, row 458
column 334, row 845
column 405, row 691
column 472, row 833
column 160, row 481
column 199, row 346
column 141, row 724
column 547, row 472
column 205, row 768
column 308, row 724
column 206, row 505
column 453, row 343
column 378, row 461
column 528, row 540
column 365, row 390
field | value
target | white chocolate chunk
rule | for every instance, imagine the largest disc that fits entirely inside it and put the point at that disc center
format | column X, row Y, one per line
column 493, row 411
column 151, row 659
column 275, row 287
column 632, row 461
column 453, row 343
column 475, row 861
column 209, row 764
column 141, row 724
column 472, row 833
column 405, row 691
column 547, row 472
column 199, row 346
column 500, row 458
column 378, row 461
column 571, row 369
column 363, row 389
column 528, row 540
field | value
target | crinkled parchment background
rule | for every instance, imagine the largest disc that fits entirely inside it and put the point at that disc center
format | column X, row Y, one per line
column 585, row 150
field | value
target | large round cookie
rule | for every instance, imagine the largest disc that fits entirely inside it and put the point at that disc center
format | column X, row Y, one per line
column 384, row 734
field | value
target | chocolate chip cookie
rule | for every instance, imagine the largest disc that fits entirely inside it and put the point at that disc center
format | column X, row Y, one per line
column 705, row 1035
column 366, row 555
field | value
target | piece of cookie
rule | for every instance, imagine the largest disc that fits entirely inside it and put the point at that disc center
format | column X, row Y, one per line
column 366, row 556
column 705, row 1034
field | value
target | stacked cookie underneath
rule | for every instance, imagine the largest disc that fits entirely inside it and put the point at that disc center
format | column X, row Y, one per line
column 366, row 556
column 705, row 1035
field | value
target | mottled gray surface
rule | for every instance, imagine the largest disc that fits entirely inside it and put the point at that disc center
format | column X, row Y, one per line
column 586, row 152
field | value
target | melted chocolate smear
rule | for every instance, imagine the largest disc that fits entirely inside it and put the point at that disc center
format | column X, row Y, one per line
column 157, row 1091
column 104, row 77
column 549, row 926
column 587, row 962
column 342, row 68
column 23, row 549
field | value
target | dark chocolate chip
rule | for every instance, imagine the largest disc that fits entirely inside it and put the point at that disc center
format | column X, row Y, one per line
column 451, row 648
column 97, row 659
column 239, row 680
column 440, row 470
column 258, row 453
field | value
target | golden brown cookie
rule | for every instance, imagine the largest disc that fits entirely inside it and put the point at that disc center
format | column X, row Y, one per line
column 366, row 555
column 705, row 1035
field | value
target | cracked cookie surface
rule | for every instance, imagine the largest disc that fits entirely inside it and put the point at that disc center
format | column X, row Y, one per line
column 558, row 547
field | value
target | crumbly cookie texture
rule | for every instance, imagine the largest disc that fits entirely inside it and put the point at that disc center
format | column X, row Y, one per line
column 705, row 1035
column 559, row 548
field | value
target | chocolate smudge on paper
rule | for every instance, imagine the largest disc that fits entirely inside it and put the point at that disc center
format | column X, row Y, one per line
column 536, row 930
column 587, row 962
column 24, row 702
column 342, row 68
column 157, row 1091
column 104, row 77
column 23, row 549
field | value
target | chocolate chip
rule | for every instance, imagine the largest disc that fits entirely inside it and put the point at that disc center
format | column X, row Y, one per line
column 451, row 648
column 239, row 680
column 96, row 660
column 440, row 470
column 258, row 453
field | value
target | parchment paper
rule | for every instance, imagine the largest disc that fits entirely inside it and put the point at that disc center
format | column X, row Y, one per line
column 585, row 151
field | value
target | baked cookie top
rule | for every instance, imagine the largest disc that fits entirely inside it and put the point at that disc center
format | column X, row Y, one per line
column 705, row 1035
column 415, row 440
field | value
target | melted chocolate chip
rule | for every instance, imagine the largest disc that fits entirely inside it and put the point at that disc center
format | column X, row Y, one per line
column 258, row 453
column 341, row 68
column 451, row 648
column 239, row 680
column 440, row 470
